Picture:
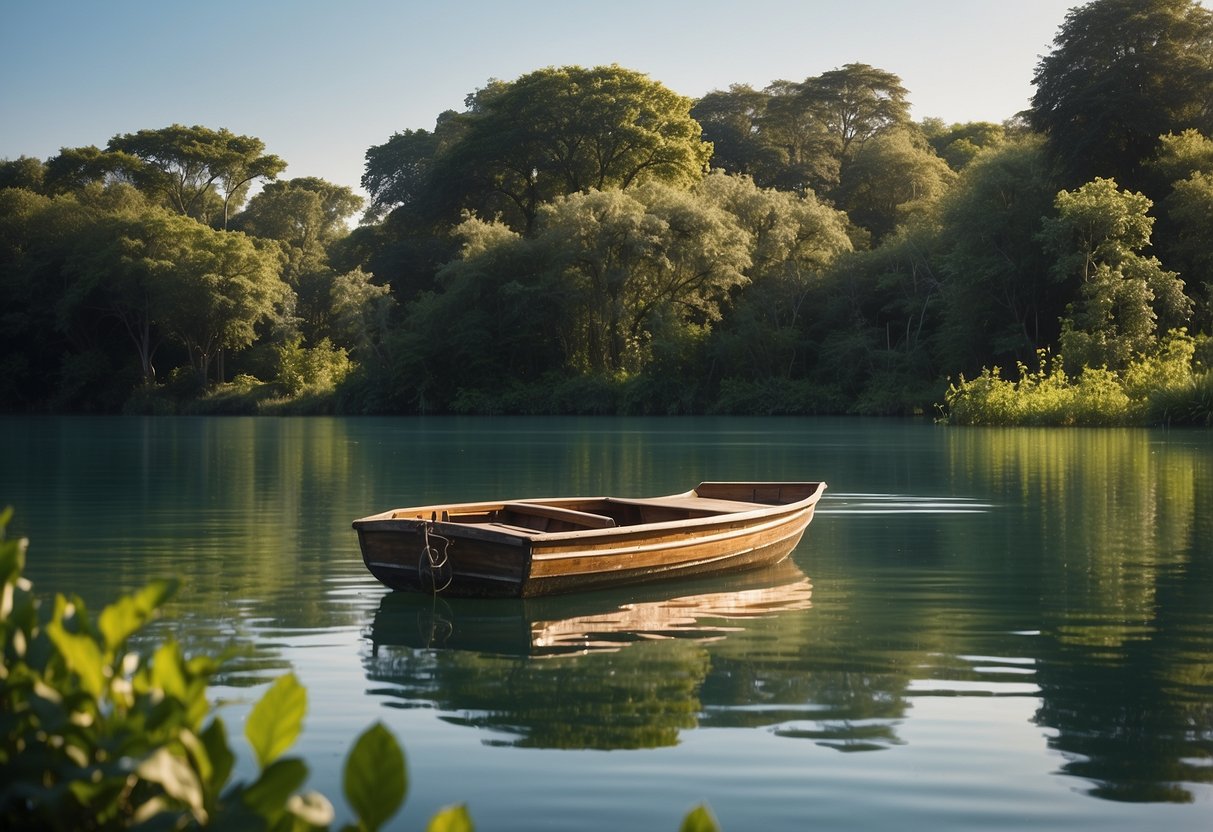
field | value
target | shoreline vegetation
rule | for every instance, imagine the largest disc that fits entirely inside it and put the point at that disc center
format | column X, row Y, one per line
column 1161, row 389
column 586, row 241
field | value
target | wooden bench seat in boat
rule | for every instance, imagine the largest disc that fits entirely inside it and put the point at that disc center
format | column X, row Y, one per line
column 706, row 505
column 581, row 519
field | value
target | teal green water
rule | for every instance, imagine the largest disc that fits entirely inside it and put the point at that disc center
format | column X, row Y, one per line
column 982, row 629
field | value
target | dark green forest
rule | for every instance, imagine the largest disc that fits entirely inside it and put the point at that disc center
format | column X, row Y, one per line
column 585, row 240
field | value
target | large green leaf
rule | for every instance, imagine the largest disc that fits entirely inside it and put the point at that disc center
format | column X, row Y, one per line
column 375, row 779
column 699, row 819
column 12, row 557
column 82, row 655
column 268, row 796
column 451, row 819
column 130, row 612
column 277, row 719
column 219, row 755
column 168, row 671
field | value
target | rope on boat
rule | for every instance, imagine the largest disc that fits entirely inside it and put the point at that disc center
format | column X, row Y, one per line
column 433, row 562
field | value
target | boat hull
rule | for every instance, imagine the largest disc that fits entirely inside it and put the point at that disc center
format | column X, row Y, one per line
column 460, row 550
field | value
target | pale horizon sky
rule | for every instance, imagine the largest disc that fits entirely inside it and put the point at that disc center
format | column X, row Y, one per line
column 321, row 82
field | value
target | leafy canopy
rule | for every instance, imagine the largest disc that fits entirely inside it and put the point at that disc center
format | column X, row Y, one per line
column 551, row 132
column 1122, row 73
column 1123, row 295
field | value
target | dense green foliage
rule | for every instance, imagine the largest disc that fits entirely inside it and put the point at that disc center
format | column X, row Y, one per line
column 1121, row 74
column 105, row 730
column 1161, row 388
column 586, row 240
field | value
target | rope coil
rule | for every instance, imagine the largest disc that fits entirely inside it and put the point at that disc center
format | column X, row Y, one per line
column 434, row 566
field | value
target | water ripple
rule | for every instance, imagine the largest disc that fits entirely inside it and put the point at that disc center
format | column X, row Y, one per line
column 860, row 503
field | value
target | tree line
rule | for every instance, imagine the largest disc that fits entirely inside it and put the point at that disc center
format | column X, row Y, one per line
column 586, row 240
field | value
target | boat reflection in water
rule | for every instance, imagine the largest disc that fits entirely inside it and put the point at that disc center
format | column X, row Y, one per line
column 551, row 626
column 602, row 670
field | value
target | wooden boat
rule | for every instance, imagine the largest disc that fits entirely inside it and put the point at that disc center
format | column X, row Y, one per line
column 531, row 547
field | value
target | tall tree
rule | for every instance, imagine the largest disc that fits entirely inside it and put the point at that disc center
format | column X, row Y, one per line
column 857, row 102
column 118, row 278
column 792, row 240
column 1000, row 304
column 1185, row 168
column 195, row 170
column 566, row 130
column 959, row 144
column 892, row 177
column 75, row 168
column 303, row 212
column 731, row 121
column 210, row 288
column 1123, row 296
column 161, row 275
column 795, row 126
column 22, row 172
column 398, row 172
column 305, row 216
column 630, row 259
column 1122, row 73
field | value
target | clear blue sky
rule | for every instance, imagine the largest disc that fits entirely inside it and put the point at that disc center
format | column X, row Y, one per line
column 320, row 82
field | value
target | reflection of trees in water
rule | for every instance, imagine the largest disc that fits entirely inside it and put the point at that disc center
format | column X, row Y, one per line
column 1125, row 657
column 1127, row 727
column 1134, row 713
column 635, row 698
column 849, row 706
column 641, row 697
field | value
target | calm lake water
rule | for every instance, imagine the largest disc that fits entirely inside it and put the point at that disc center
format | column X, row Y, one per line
column 982, row 629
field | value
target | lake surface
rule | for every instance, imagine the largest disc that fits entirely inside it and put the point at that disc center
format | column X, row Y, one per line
column 982, row 629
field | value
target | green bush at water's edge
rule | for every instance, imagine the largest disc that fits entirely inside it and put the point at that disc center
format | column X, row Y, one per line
column 96, row 735
column 1172, row 386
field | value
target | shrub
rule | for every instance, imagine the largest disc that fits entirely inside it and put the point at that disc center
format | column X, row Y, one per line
column 318, row 368
column 1167, row 386
column 1189, row 403
column 1044, row 396
column 96, row 735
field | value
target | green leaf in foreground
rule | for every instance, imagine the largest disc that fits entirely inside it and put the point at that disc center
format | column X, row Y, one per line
column 220, row 759
column 12, row 556
column 274, row 787
column 375, row 779
column 81, row 654
column 699, row 819
column 275, row 721
column 130, row 612
column 451, row 819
